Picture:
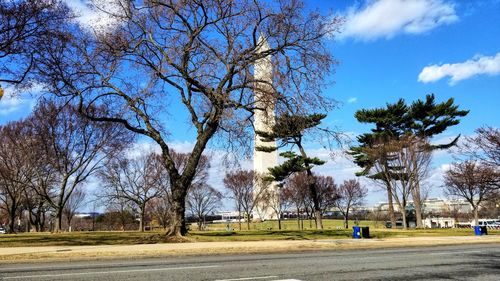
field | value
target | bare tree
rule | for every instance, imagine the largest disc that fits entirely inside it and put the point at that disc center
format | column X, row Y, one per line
column 296, row 191
column 201, row 54
column 202, row 200
column 78, row 148
column 240, row 184
column 13, row 172
column 161, row 209
column 472, row 181
column 351, row 194
column 136, row 180
column 75, row 202
column 400, row 164
column 484, row 146
column 278, row 200
column 327, row 192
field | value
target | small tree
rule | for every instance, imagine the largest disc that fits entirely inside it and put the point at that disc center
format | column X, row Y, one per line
column 295, row 192
column 75, row 202
column 240, row 184
column 203, row 200
column 472, row 181
column 160, row 209
column 289, row 130
column 136, row 180
column 351, row 194
column 327, row 192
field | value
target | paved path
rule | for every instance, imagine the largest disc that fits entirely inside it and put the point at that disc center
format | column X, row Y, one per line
column 464, row 262
column 208, row 248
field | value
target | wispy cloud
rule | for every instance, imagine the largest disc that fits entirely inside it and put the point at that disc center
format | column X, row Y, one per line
column 352, row 100
column 388, row 18
column 96, row 15
column 478, row 65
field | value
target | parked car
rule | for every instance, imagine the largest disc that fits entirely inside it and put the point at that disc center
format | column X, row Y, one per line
column 2, row 230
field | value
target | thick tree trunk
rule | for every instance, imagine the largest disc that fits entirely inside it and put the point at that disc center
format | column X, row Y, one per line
column 12, row 219
column 178, row 226
column 58, row 224
column 319, row 219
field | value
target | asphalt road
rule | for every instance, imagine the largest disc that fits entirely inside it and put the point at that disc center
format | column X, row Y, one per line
column 470, row 262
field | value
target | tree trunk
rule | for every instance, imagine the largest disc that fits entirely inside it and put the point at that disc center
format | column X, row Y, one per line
column 418, row 205
column 248, row 221
column 403, row 215
column 390, row 209
column 298, row 218
column 279, row 222
column 346, row 220
column 141, row 219
column 68, row 220
column 58, row 226
column 239, row 218
column 12, row 219
column 476, row 215
column 319, row 219
column 312, row 191
column 178, row 226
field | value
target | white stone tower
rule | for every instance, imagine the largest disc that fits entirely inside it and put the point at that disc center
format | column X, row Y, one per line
column 263, row 120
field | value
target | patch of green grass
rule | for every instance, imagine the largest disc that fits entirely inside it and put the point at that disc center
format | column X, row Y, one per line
column 290, row 224
column 74, row 238
column 217, row 233
column 256, row 235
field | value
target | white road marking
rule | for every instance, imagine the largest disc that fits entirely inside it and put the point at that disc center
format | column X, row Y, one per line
column 454, row 253
column 109, row 272
column 248, row 278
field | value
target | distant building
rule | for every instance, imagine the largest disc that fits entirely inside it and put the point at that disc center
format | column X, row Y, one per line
column 432, row 205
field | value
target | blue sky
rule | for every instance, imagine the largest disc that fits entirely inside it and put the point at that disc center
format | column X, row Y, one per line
column 391, row 49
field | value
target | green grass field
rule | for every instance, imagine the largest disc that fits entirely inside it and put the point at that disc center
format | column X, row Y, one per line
column 261, row 231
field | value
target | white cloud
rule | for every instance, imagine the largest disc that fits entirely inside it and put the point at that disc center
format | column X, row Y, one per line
column 352, row 100
column 94, row 15
column 16, row 100
column 460, row 71
column 387, row 18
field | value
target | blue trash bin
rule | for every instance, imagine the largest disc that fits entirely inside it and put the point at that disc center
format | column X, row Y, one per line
column 356, row 232
column 477, row 230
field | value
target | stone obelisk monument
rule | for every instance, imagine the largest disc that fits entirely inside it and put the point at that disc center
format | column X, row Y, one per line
column 263, row 120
